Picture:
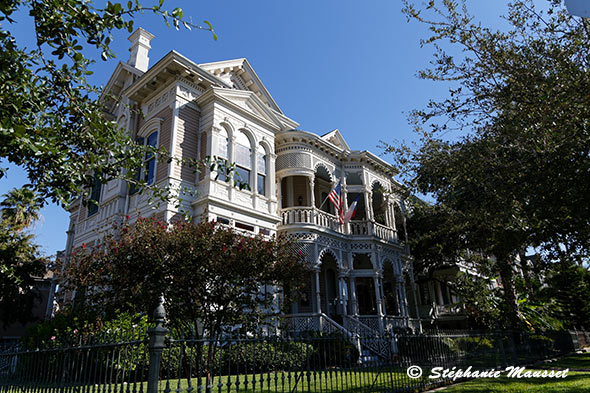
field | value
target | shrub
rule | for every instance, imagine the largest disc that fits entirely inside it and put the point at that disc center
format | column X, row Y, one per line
column 473, row 344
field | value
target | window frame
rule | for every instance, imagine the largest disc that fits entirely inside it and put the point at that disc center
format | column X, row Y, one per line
column 241, row 166
column 262, row 174
column 148, row 129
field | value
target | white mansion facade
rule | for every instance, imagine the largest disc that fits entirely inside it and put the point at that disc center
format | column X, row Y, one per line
column 362, row 278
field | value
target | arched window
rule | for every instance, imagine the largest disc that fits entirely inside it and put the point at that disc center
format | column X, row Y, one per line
column 261, row 168
column 222, row 153
column 243, row 160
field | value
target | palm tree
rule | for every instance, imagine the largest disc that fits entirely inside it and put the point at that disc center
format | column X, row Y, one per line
column 20, row 208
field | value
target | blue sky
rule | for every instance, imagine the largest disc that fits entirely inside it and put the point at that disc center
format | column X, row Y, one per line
column 328, row 64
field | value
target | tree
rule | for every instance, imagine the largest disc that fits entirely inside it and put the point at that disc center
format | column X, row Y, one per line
column 20, row 261
column 570, row 289
column 20, row 208
column 61, row 136
column 520, row 174
column 206, row 274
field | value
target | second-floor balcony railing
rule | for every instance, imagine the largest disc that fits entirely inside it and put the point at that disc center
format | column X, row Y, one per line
column 314, row 216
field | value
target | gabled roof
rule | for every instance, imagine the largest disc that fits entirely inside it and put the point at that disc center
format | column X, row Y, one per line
column 250, row 105
column 169, row 67
column 336, row 138
column 240, row 74
column 116, row 83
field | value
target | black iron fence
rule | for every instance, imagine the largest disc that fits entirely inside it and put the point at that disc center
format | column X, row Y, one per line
column 181, row 361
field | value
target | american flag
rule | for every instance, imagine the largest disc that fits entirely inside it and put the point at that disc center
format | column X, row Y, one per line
column 336, row 199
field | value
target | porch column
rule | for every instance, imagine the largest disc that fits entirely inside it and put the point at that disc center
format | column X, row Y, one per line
column 414, row 293
column 404, row 301
column 398, row 297
column 311, row 182
column 392, row 214
column 380, row 312
column 346, row 227
column 271, row 174
column 279, row 193
column 354, row 305
column 343, row 293
column 318, row 300
column 368, row 212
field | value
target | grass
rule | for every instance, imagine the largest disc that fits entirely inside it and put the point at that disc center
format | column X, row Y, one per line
column 328, row 381
column 574, row 382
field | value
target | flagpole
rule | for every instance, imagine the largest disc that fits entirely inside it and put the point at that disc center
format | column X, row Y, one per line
column 320, row 208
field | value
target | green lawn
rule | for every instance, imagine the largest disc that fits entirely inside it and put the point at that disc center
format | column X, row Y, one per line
column 574, row 382
column 352, row 381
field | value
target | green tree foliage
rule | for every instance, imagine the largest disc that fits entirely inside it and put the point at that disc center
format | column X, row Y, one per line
column 204, row 272
column 519, row 174
column 20, row 260
column 569, row 287
column 61, row 135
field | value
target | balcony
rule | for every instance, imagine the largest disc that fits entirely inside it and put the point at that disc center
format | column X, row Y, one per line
column 319, row 218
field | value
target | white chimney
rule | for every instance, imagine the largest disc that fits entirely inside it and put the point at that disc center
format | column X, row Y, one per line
column 140, row 46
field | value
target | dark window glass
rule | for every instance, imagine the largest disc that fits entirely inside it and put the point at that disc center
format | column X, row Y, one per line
column 150, row 165
column 222, row 220
column 260, row 184
column 245, row 226
column 94, row 197
column 242, row 176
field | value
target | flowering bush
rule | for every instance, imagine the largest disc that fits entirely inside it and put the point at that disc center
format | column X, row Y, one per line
column 203, row 271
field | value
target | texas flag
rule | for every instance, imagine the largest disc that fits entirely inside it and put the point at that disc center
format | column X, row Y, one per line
column 351, row 210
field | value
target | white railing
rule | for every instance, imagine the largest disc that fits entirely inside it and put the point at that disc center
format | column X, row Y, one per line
column 383, row 232
column 360, row 228
column 297, row 215
column 314, row 216
column 327, row 220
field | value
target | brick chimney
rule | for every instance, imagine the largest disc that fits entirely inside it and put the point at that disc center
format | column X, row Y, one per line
column 140, row 46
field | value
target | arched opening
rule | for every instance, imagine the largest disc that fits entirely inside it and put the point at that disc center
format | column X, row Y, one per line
column 322, row 188
column 329, row 284
column 390, row 289
column 378, row 201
